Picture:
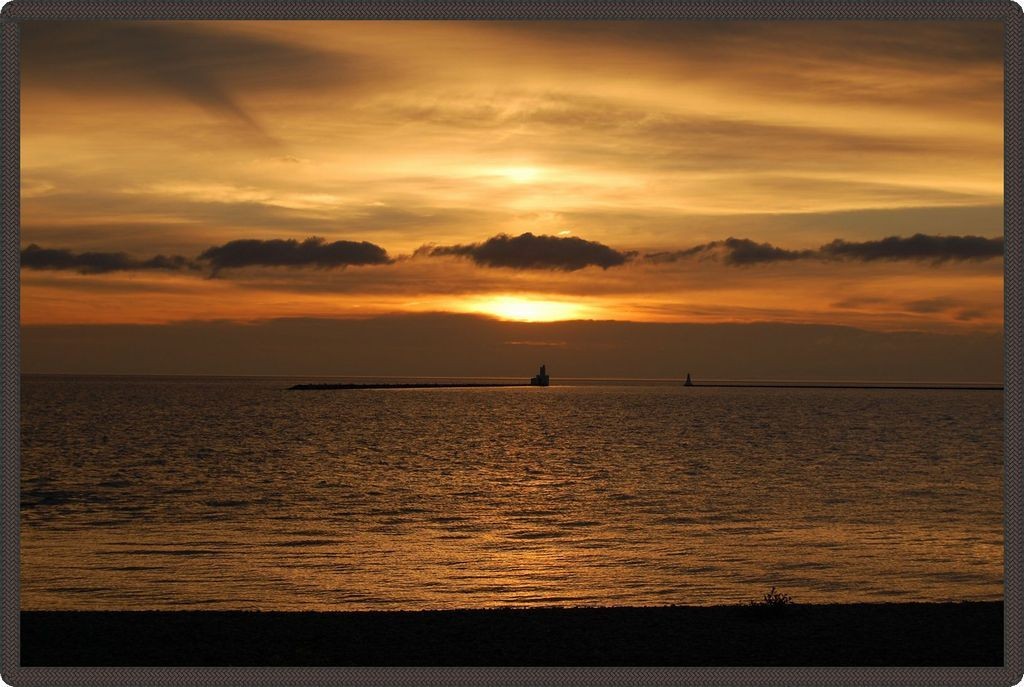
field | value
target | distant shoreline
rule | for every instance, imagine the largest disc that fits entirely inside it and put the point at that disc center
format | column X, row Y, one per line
column 863, row 634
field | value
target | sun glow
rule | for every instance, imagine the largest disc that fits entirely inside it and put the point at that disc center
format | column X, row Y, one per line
column 527, row 309
column 519, row 174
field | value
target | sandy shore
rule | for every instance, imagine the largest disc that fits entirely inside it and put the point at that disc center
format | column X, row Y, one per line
column 956, row 634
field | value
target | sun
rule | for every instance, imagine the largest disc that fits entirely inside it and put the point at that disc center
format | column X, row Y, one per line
column 519, row 174
column 521, row 309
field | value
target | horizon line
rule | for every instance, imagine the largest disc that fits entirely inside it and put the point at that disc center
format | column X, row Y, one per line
column 707, row 381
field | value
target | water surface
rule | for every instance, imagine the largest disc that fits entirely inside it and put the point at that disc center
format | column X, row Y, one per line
column 206, row 493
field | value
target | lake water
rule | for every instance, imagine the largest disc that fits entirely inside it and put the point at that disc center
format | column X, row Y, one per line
column 204, row 493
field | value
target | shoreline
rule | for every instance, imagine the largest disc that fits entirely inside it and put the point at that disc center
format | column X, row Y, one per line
column 861, row 634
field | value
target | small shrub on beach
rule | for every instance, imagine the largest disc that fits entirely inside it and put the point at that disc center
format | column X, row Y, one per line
column 774, row 598
column 772, row 602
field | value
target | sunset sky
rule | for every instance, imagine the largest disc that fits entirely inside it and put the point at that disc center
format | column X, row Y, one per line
column 843, row 173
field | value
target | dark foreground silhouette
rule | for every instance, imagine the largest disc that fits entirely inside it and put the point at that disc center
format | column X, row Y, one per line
column 954, row 634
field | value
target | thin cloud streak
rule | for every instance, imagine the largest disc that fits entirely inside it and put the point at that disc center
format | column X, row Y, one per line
column 936, row 249
column 919, row 247
column 734, row 251
column 37, row 258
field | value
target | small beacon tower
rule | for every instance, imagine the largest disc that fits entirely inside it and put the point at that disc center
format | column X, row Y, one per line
column 541, row 378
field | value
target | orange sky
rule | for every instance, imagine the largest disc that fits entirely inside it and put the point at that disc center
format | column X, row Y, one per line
column 428, row 139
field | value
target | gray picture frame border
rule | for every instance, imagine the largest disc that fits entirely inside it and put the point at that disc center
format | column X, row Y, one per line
column 1004, row 11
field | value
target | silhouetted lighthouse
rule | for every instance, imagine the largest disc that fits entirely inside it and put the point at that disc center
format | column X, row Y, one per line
column 541, row 379
column 688, row 382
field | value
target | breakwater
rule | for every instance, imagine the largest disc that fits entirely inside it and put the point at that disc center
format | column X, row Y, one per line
column 901, row 387
column 331, row 387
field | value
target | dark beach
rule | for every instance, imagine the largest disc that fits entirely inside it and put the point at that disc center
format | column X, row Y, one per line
column 923, row 634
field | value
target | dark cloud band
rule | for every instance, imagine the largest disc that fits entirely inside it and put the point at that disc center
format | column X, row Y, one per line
column 523, row 252
column 919, row 247
column 37, row 258
column 734, row 252
column 530, row 252
column 312, row 252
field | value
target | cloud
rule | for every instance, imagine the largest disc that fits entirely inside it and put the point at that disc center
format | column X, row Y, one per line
column 840, row 61
column 312, row 252
column 524, row 252
column 668, row 256
column 530, row 252
column 857, row 302
column 203, row 65
column 928, row 306
column 733, row 252
column 917, row 247
column 920, row 247
column 37, row 258
column 781, row 163
column 970, row 315
column 920, row 41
